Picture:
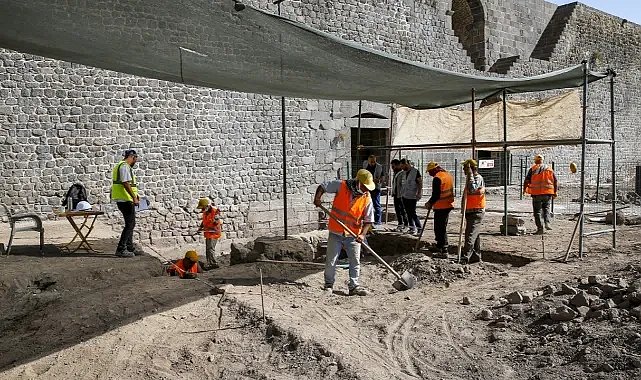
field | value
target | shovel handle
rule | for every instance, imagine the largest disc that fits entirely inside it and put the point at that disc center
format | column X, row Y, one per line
column 367, row 247
column 418, row 241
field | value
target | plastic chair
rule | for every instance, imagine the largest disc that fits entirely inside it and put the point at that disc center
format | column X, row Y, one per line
column 15, row 222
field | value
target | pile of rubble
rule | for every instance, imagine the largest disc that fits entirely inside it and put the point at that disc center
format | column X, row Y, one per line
column 623, row 197
column 433, row 270
column 593, row 325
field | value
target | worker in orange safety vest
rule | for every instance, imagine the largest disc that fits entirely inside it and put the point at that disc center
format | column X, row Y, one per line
column 211, row 226
column 474, row 211
column 187, row 267
column 540, row 182
column 353, row 206
column 442, row 202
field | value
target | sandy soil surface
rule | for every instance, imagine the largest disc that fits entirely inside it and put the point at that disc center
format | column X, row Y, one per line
column 88, row 316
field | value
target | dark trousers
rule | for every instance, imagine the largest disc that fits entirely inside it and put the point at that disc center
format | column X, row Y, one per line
column 441, row 217
column 127, row 236
column 472, row 233
column 410, row 209
column 376, row 202
column 541, row 206
column 400, row 212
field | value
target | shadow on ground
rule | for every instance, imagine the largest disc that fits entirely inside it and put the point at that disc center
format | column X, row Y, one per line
column 54, row 301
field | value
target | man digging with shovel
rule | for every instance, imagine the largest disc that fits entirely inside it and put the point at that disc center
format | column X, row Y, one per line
column 353, row 207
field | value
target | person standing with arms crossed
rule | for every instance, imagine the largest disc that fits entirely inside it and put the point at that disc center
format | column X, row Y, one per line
column 124, row 191
column 412, row 192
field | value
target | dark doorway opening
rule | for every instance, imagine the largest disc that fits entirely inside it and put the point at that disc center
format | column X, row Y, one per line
column 369, row 137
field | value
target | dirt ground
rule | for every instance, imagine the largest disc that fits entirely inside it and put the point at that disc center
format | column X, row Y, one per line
column 96, row 316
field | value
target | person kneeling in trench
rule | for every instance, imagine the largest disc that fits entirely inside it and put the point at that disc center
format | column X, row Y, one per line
column 352, row 206
column 187, row 267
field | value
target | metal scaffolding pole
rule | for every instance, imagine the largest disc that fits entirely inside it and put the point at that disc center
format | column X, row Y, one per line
column 283, row 136
column 473, row 125
column 505, row 163
column 583, row 155
column 490, row 144
column 613, row 168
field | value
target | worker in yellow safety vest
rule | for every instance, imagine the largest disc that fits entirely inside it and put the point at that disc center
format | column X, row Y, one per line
column 474, row 211
column 353, row 206
column 442, row 202
column 124, row 191
column 540, row 182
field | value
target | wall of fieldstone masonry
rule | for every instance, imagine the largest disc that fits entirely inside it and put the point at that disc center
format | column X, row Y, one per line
column 61, row 123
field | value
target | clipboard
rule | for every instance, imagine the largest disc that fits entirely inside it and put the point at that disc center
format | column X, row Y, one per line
column 143, row 205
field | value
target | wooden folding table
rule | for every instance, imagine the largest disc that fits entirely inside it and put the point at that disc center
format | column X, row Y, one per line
column 83, row 231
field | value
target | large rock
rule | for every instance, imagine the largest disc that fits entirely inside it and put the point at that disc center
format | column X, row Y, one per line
column 580, row 299
column 241, row 253
column 514, row 298
column 276, row 248
column 563, row 313
column 513, row 220
column 568, row 290
column 597, row 279
column 620, row 218
column 513, row 230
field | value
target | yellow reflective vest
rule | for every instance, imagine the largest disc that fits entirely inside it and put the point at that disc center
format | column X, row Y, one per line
column 118, row 191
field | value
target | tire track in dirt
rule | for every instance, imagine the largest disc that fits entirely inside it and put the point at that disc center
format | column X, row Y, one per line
column 447, row 329
column 366, row 348
column 397, row 347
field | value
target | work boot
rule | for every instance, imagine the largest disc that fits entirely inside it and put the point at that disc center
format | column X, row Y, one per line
column 400, row 229
column 411, row 232
column 328, row 289
column 539, row 231
column 125, row 253
column 441, row 254
column 547, row 226
column 474, row 258
column 358, row 291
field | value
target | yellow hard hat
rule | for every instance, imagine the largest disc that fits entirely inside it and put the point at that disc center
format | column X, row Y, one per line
column 431, row 165
column 573, row 168
column 365, row 177
column 538, row 157
column 469, row 162
column 192, row 255
column 203, row 203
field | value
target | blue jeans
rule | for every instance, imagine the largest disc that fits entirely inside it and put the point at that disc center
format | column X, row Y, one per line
column 376, row 202
column 353, row 248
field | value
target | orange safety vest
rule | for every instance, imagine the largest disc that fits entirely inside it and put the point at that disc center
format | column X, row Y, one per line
column 475, row 200
column 211, row 225
column 348, row 210
column 179, row 268
column 542, row 181
column 447, row 191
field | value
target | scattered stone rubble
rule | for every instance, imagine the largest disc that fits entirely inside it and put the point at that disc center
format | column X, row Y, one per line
column 594, row 324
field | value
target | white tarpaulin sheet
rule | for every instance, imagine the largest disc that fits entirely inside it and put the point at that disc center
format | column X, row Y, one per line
column 554, row 118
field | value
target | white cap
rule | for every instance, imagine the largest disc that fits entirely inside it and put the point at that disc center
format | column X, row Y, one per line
column 83, row 206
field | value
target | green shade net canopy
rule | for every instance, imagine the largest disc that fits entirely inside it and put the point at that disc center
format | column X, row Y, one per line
column 215, row 44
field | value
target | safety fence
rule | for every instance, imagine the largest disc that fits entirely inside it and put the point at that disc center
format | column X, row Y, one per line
column 598, row 179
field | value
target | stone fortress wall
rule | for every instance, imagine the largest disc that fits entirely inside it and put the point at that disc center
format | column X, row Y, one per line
column 62, row 122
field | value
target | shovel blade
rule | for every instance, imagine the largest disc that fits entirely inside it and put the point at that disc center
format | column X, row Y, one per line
column 407, row 281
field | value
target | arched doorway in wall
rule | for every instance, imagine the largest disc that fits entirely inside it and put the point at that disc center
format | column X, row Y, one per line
column 468, row 23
